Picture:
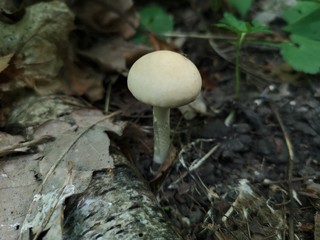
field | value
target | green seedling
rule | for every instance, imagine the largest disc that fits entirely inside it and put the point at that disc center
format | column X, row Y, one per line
column 242, row 6
column 153, row 19
column 302, row 50
column 303, row 24
column 302, row 54
column 242, row 29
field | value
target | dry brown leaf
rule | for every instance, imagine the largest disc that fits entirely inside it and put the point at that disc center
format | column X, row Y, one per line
column 85, row 82
column 4, row 61
column 42, row 109
column 8, row 6
column 40, row 43
column 87, row 151
column 114, row 54
column 317, row 226
column 284, row 72
column 7, row 139
column 24, row 146
column 81, row 146
column 161, row 173
column 67, row 168
column 18, row 180
column 109, row 55
column 159, row 44
column 108, row 16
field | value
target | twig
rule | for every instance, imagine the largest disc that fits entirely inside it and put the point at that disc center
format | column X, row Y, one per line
column 291, row 161
column 197, row 36
column 10, row 149
column 108, row 94
column 55, row 202
column 195, row 164
column 298, row 179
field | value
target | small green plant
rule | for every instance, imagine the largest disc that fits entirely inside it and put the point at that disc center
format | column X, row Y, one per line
column 242, row 6
column 303, row 50
column 154, row 19
column 242, row 29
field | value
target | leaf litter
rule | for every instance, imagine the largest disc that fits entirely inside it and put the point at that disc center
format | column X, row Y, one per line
column 39, row 53
column 252, row 148
column 64, row 167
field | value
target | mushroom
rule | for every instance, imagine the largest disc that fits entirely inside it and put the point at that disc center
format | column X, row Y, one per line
column 163, row 79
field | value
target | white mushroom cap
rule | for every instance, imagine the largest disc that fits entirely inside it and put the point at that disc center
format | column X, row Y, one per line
column 164, row 79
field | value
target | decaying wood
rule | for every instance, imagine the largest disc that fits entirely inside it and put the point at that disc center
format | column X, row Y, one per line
column 116, row 205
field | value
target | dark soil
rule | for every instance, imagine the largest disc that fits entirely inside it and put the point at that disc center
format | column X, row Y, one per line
column 256, row 177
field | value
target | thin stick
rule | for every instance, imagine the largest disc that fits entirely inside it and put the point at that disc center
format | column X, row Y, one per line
column 196, row 35
column 108, row 95
column 197, row 163
column 291, row 161
column 55, row 202
column 13, row 148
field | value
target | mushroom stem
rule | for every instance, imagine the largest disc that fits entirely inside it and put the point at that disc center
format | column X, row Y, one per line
column 161, row 128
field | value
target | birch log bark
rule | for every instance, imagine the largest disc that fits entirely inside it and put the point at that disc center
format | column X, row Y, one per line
column 117, row 205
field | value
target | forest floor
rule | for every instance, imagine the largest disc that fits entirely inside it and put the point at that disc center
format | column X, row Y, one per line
column 247, row 168
column 242, row 167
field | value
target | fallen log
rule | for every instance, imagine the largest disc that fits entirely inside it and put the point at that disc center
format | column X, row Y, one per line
column 116, row 205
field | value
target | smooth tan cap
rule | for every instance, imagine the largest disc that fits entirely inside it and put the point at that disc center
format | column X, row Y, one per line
column 164, row 79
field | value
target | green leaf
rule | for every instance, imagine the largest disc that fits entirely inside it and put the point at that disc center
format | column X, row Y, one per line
column 307, row 26
column 257, row 27
column 215, row 5
column 242, row 6
column 155, row 19
column 233, row 24
column 238, row 26
column 302, row 54
column 299, row 10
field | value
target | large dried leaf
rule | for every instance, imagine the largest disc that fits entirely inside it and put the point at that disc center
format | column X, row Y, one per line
column 4, row 61
column 85, row 82
column 18, row 180
column 33, row 111
column 67, row 166
column 10, row 144
column 40, row 42
column 81, row 146
column 7, row 139
column 108, row 16
column 112, row 54
column 8, row 6
column 317, row 226
column 87, row 150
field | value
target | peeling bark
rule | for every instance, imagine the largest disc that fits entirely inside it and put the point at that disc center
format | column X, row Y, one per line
column 116, row 205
